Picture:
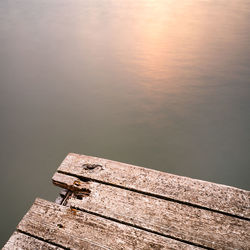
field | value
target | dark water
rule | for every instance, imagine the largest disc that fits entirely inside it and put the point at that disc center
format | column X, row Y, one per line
column 162, row 84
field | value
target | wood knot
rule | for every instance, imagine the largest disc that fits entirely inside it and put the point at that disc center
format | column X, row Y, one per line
column 89, row 166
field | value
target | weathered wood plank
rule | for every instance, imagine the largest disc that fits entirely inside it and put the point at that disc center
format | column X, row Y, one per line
column 201, row 193
column 74, row 229
column 21, row 241
column 185, row 222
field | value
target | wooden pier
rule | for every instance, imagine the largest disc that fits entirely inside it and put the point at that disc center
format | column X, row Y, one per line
column 111, row 205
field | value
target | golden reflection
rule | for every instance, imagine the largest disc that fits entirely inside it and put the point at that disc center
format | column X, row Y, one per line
column 166, row 40
column 175, row 46
column 166, row 49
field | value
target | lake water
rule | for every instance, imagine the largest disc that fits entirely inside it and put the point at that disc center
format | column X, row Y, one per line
column 162, row 84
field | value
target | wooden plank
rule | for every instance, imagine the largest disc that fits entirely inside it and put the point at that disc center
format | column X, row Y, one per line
column 191, row 224
column 201, row 193
column 21, row 241
column 74, row 229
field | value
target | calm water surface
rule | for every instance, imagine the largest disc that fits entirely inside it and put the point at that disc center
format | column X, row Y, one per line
column 163, row 84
